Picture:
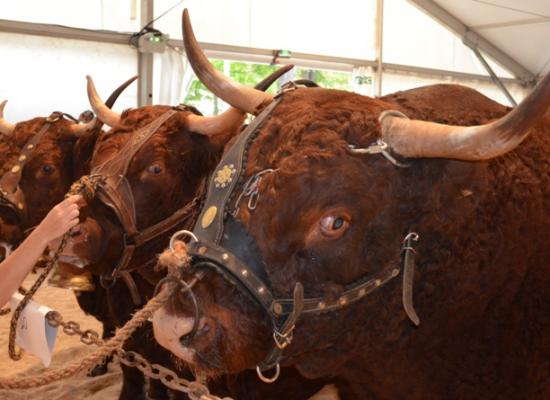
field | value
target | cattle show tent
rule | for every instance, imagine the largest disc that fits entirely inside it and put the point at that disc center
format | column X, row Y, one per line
column 499, row 47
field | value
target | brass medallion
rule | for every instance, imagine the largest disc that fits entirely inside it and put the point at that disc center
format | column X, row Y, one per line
column 208, row 217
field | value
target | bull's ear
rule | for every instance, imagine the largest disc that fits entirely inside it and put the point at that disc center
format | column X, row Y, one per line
column 6, row 128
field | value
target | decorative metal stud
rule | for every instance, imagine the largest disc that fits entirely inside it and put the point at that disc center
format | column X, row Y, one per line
column 202, row 250
column 342, row 301
column 225, row 175
column 362, row 292
column 277, row 308
column 377, row 282
column 395, row 272
column 20, row 206
column 225, row 256
column 261, row 290
column 30, row 146
column 244, row 272
column 15, row 168
column 22, row 157
column 321, row 305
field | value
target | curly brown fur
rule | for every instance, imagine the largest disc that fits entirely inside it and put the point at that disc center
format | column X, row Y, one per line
column 481, row 266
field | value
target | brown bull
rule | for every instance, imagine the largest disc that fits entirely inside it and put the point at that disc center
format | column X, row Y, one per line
column 343, row 181
column 56, row 159
column 164, row 173
column 40, row 159
column 36, row 175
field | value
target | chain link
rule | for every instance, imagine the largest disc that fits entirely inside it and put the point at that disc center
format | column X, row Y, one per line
column 71, row 328
column 194, row 389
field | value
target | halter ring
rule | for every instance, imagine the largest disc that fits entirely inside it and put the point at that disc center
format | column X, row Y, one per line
column 177, row 235
column 263, row 378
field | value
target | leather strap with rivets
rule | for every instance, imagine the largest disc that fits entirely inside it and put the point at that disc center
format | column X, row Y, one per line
column 11, row 194
column 222, row 245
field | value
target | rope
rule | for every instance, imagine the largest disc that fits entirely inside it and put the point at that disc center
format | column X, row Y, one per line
column 91, row 360
column 86, row 186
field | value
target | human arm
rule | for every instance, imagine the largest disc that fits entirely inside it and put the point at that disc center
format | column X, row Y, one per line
column 18, row 264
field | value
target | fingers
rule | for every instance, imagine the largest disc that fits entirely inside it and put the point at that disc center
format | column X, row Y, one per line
column 71, row 201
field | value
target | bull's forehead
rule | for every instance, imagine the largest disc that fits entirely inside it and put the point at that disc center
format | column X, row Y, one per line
column 316, row 122
column 133, row 120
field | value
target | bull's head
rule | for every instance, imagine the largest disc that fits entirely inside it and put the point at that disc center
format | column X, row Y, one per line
column 320, row 202
column 150, row 164
column 40, row 160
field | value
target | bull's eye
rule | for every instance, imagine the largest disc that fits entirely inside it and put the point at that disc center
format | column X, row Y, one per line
column 47, row 168
column 155, row 169
column 334, row 223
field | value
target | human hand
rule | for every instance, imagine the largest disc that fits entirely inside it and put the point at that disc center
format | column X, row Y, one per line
column 60, row 219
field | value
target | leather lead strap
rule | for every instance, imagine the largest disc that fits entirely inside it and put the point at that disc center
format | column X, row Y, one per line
column 408, row 276
column 132, row 287
column 283, row 336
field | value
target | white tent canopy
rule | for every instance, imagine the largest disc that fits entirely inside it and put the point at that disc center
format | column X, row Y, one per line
column 401, row 43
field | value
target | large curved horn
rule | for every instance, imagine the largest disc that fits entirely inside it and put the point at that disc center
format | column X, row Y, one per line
column 101, row 110
column 239, row 96
column 6, row 127
column 415, row 139
column 231, row 119
column 97, row 123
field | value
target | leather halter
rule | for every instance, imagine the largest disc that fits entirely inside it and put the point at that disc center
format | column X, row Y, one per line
column 11, row 195
column 224, row 245
column 113, row 189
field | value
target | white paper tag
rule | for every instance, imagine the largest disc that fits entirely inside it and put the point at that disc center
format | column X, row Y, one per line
column 33, row 333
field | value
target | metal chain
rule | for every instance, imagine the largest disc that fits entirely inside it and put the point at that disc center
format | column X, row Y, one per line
column 194, row 389
column 71, row 328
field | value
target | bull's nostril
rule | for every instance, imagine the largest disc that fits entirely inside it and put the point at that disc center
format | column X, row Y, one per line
column 185, row 340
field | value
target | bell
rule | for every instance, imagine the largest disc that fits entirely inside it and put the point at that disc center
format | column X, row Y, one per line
column 66, row 276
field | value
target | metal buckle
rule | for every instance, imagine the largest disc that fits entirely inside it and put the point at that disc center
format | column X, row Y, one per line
column 283, row 340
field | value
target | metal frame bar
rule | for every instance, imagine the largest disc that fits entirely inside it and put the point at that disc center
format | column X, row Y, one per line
column 379, row 46
column 145, row 60
column 494, row 77
column 475, row 41
column 235, row 53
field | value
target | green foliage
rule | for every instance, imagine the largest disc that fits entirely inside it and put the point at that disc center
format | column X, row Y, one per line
column 250, row 74
column 326, row 79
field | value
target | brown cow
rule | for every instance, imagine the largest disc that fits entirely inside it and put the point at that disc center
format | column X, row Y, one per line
column 35, row 176
column 57, row 159
column 345, row 180
column 164, row 174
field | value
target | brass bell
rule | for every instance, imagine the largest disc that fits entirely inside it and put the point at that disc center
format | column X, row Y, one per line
column 69, row 277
